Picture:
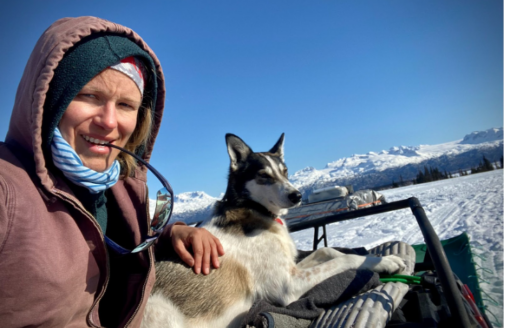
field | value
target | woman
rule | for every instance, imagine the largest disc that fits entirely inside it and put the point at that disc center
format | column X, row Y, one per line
column 88, row 81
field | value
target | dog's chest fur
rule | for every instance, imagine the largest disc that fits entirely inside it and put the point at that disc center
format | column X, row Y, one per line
column 261, row 245
column 258, row 263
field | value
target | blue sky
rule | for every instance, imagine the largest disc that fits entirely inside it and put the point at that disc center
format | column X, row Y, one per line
column 338, row 77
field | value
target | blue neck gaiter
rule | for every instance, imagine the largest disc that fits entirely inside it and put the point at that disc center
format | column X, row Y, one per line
column 67, row 160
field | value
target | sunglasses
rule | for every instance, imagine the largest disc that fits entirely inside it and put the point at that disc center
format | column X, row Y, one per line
column 162, row 212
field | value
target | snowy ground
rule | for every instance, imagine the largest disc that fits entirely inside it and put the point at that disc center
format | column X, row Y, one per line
column 471, row 204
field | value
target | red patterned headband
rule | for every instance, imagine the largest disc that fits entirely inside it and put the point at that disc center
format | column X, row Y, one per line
column 134, row 68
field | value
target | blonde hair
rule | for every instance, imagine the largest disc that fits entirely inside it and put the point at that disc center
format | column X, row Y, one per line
column 139, row 138
column 142, row 132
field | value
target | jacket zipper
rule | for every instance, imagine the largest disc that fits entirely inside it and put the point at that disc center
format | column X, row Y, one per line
column 74, row 201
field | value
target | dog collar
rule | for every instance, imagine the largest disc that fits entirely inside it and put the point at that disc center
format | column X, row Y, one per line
column 279, row 221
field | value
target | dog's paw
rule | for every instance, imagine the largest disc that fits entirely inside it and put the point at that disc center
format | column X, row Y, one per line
column 390, row 264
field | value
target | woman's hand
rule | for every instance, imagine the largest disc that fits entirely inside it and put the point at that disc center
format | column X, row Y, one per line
column 206, row 248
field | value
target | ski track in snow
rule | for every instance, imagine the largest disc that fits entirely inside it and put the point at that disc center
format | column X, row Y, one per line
column 471, row 204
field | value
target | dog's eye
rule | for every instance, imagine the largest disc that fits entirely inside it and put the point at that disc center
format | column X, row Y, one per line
column 263, row 175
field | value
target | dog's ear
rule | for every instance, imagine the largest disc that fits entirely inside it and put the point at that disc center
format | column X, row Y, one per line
column 278, row 149
column 237, row 149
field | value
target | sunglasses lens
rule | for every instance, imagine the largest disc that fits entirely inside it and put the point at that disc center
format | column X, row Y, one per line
column 163, row 210
column 149, row 241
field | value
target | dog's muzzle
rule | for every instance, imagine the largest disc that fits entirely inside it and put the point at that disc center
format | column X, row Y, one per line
column 295, row 197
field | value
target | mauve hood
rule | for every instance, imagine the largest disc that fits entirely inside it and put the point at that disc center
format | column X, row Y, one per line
column 25, row 126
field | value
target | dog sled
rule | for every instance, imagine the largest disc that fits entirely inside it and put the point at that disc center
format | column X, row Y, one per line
column 320, row 207
column 437, row 290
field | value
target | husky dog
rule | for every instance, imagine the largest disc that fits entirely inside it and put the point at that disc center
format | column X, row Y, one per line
column 260, row 255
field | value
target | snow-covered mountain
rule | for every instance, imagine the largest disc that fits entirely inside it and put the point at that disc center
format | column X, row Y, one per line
column 478, row 137
column 190, row 206
column 374, row 169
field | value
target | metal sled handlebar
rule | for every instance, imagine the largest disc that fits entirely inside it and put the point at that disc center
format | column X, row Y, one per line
column 435, row 249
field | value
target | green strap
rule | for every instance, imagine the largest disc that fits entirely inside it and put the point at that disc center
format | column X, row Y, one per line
column 400, row 278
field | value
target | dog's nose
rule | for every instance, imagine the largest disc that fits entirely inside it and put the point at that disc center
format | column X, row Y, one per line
column 295, row 197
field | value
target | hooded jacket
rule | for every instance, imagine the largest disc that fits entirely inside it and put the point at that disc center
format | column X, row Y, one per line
column 55, row 270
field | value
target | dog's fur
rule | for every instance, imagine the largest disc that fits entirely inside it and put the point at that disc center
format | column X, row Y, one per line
column 260, row 255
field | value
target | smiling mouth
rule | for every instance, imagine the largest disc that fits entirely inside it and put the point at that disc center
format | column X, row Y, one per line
column 95, row 141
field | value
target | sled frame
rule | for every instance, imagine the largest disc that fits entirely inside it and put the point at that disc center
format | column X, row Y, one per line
column 435, row 249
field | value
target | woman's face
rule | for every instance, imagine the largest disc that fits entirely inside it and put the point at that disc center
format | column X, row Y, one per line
column 105, row 110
